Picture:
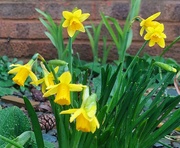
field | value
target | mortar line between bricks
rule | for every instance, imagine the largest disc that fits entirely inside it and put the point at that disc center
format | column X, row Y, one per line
column 66, row 40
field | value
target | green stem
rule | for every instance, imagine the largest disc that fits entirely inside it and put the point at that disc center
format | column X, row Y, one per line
column 139, row 51
column 50, row 69
column 56, row 114
column 70, row 55
column 54, row 74
column 168, row 47
column 11, row 142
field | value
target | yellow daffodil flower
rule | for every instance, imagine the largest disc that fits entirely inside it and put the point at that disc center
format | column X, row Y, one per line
column 62, row 90
column 47, row 80
column 73, row 21
column 145, row 23
column 22, row 72
column 156, row 35
column 86, row 120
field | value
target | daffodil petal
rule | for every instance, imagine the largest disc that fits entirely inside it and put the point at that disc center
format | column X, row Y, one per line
column 163, row 35
column 96, row 121
column 67, row 14
column 15, row 65
column 84, row 17
column 38, row 81
column 65, row 77
column 14, row 70
column 70, row 31
column 154, row 16
column 76, row 114
column 51, row 91
column 147, row 36
column 69, row 111
column 75, row 87
column 33, row 76
column 151, row 43
column 65, row 23
column 82, row 29
column 161, row 43
column 142, row 31
column 94, row 124
column 160, row 28
column 77, row 13
column 43, row 88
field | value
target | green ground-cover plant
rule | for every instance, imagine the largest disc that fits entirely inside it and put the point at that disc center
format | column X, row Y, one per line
column 15, row 129
column 112, row 107
column 6, row 83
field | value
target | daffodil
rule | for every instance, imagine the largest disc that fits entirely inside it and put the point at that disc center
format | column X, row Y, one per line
column 47, row 80
column 156, row 35
column 22, row 72
column 73, row 21
column 62, row 90
column 86, row 120
column 145, row 23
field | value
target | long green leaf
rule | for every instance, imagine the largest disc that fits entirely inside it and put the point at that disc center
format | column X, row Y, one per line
column 35, row 123
column 51, row 38
column 12, row 142
column 111, row 31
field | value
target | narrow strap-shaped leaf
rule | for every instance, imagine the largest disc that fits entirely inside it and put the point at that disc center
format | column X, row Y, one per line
column 108, row 26
column 168, row 47
column 11, row 141
column 51, row 38
column 35, row 123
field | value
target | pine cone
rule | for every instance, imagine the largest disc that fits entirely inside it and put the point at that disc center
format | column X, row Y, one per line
column 47, row 121
column 37, row 95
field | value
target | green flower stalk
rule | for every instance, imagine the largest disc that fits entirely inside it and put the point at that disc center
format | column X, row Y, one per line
column 73, row 22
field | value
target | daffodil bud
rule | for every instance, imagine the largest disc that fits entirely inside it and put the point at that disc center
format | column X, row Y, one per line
column 165, row 67
column 57, row 62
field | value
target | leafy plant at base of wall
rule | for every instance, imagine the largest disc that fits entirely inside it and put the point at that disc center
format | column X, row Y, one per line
column 6, row 83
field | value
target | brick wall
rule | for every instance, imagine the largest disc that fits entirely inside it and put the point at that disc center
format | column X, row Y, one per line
column 22, row 34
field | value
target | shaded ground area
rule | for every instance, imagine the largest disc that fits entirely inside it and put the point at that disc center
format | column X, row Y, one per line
column 47, row 119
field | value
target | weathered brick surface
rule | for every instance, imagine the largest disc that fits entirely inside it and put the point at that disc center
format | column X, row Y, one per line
column 18, row 10
column 22, row 34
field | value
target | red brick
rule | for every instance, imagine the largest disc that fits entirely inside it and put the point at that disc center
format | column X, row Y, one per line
column 26, row 49
column 55, row 8
column 19, row 21
column 22, row 29
column 170, row 10
column 21, row 10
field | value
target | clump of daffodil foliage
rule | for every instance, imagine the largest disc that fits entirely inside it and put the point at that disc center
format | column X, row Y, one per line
column 105, row 105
